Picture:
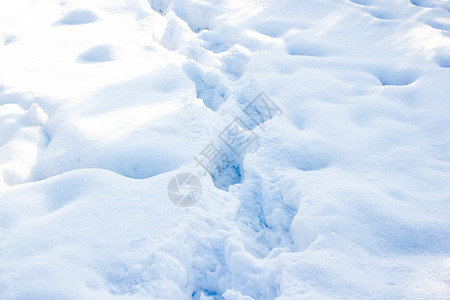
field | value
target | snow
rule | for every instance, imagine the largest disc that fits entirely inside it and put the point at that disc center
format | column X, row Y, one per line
column 77, row 17
column 100, row 53
column 342, row 194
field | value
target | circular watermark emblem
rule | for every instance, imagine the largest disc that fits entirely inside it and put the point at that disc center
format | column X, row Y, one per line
column 184, row 189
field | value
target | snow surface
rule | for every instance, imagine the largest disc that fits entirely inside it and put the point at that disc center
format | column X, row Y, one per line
column 345, row 195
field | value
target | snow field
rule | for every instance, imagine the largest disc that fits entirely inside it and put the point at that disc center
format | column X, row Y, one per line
column 344, row 195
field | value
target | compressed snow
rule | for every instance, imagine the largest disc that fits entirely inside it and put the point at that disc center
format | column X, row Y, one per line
column 342, row 193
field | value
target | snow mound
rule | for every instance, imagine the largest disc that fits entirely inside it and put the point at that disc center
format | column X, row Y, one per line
column 78, row 17
column 98, row 54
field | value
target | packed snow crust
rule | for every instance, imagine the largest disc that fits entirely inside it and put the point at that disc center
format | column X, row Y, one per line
column 345, row 194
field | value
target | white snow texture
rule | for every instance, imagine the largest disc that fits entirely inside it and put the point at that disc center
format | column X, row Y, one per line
column 343, row 194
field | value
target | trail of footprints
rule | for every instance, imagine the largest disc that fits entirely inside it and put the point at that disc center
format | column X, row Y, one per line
column 263, row 233
column 212, row 64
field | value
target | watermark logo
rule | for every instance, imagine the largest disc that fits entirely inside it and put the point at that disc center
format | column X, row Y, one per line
column 184, row 189
column 262, row 109
column 222, row 157
column 237, row 136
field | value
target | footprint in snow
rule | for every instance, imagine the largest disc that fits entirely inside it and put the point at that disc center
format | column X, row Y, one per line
column 303, row 47
column 277, row 28
column 208, row 85
column 234, row 61
column 395, row 76
column 383, row 14
column 8, row 39
column 424, row 3
column 443, row 60
column 437, row 18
